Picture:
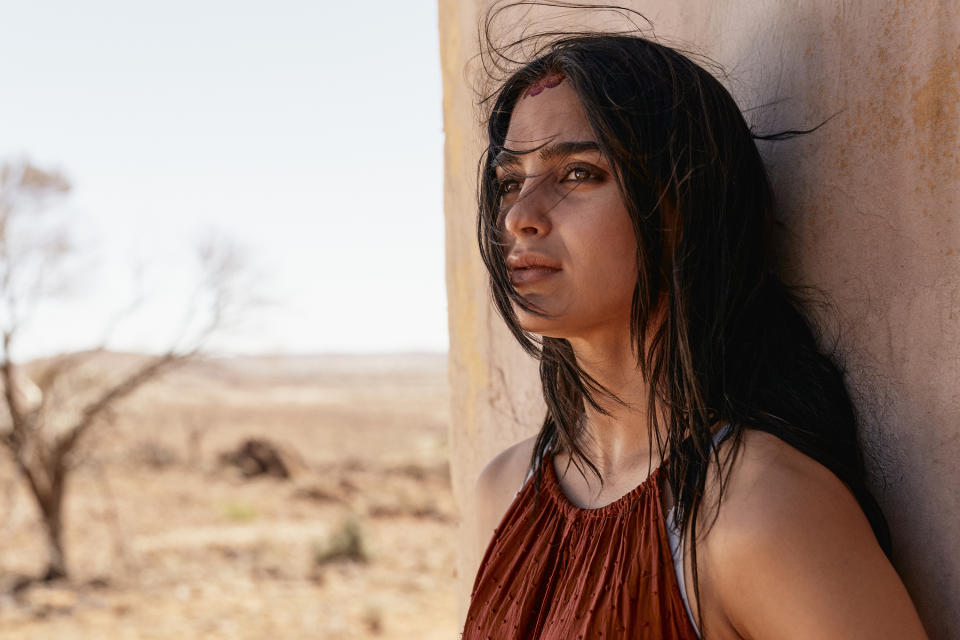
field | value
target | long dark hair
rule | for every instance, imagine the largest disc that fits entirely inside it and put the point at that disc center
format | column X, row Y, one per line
column 735, row 344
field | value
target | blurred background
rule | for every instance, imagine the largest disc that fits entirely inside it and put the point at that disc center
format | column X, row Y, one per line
column 222, row 303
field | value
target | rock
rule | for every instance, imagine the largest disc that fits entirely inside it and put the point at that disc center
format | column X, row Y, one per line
column 256, row 457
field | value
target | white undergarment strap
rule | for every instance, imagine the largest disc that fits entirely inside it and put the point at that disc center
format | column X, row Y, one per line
column 529, row 473
column 676, row 549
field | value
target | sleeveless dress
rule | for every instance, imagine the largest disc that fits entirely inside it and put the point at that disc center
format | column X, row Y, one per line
column 557, row 571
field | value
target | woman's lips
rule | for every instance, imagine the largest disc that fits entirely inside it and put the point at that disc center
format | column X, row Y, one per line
column 530, row 275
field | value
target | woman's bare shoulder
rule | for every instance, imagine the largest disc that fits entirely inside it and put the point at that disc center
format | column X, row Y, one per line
column 498, row 483
column 502, row 477
column 770, row 482
column 792, row 555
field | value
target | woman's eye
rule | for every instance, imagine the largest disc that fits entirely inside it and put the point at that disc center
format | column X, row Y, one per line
column 509, row 186
column 578, row 174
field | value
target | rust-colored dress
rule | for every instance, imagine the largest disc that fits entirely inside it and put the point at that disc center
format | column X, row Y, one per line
column 560, row 572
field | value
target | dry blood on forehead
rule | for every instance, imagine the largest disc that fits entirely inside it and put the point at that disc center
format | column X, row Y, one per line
column 548, row 81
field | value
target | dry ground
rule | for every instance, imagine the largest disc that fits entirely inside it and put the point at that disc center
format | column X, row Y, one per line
column 165, row 541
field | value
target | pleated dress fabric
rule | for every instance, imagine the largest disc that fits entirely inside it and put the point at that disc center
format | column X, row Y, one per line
column 556, row 571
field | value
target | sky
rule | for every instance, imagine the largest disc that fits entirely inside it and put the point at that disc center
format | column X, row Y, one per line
column 307, row 133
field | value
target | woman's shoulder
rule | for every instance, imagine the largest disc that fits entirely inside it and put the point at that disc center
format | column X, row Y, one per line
column 791, row 553
column 498, row 483
column 502, row 476
column 770, row 484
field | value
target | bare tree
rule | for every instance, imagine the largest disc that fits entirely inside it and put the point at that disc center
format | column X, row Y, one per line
column 47, row 414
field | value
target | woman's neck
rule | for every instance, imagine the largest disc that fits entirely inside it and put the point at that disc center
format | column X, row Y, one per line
column 618, row 441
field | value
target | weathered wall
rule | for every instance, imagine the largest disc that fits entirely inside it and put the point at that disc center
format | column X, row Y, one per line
column 870, row 204
column 494, row 400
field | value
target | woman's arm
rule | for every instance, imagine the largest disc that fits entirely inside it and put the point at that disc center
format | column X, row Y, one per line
column 792, row 556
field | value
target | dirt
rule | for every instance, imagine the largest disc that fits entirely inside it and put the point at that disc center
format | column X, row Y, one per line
column 166, row 539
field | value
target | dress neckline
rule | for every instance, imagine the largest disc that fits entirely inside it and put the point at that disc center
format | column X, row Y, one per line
column 617, row 506
column 552, row 483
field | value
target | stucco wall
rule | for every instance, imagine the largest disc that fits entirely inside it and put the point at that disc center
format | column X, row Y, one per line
column 870, row 206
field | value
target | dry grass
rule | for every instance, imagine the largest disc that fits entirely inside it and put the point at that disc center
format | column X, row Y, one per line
column 164, row 541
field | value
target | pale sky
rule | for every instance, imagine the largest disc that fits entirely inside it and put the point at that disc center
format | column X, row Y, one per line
column 308, row 131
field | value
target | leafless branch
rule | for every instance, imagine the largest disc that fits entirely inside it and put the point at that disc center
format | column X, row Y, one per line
column 88, row 417
column 125, row 311
column 44, row 453
column 17, row 435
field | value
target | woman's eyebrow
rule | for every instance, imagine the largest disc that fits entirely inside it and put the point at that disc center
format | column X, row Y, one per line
column 508, row 157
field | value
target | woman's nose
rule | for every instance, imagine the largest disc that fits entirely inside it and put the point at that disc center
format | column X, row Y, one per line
column 528, row 213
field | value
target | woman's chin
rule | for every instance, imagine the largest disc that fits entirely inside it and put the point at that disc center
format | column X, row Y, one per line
column 546, row 327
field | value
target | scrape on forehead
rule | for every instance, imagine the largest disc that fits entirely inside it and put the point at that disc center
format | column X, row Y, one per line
column 548, row 81
column 556, row 116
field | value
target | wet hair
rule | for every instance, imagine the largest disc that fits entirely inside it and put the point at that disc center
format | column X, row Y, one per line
column 734, row 343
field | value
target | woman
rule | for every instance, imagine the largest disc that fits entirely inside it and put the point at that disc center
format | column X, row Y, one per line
column 697, row 473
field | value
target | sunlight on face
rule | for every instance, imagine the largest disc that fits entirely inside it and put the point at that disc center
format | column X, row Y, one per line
column 570, row 244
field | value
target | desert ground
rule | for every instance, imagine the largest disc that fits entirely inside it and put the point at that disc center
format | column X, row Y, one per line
column 169, row 537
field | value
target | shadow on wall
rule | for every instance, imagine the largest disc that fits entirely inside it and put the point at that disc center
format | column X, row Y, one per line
column 867, row 204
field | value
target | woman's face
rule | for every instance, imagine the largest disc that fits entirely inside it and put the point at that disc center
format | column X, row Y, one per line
column 562, row 207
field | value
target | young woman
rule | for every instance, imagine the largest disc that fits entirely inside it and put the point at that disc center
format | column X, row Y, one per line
column 697, row 473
